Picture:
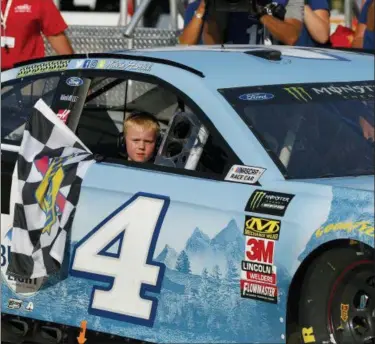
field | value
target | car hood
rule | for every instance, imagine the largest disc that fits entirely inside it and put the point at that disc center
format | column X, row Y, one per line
column 359, row 183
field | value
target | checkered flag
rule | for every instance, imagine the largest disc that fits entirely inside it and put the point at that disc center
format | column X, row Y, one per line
column 46, row 185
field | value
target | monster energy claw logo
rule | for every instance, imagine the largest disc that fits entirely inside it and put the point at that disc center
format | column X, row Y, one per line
column 299, row 93
column 257, row 200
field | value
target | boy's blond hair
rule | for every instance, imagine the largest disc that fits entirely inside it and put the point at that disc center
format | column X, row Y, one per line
column 142, row 119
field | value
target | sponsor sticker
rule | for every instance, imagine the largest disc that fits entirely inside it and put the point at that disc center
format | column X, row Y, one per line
column 364, row 227
column 244, row 174
column 262, row 228
column 299, row 93
column 266, row 269
column 308, row 335
column 260, row 250
column 14, row 304
column 116, row 64
column 137, row 66
column 69, row 98
column 74, row 81
column 259, row 291
column 256, row 96
column 22, row 286
column 43, row 67
column 344, row 312
column 268, row 202
column 259, row 277
column 63, row 115
column 30, row 307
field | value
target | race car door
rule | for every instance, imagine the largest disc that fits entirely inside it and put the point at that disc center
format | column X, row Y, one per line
column 155, row 249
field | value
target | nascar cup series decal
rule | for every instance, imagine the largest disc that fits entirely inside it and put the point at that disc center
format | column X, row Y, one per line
column 22, row 286
column 268, row 202
column 244, row 174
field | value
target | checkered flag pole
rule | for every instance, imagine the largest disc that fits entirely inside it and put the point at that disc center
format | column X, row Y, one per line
column 46, row 185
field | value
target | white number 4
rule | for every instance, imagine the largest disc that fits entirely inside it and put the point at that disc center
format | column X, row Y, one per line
column 130, row 272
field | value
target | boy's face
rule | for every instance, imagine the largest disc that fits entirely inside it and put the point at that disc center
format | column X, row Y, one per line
column 140, row 143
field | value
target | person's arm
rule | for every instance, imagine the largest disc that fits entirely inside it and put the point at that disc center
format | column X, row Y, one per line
column 211, row 32
column 53, row 27
column 60, row 44
column 361, row 27
column 194, row 20
column 317, row 23
column 288, row 30
column 358, row 36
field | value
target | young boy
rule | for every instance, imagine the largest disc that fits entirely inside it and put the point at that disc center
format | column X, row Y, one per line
column 141, row 131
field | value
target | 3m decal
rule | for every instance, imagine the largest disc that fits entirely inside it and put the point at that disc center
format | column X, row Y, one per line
column 299, row 93
column 257, row 267
column 14, row 304
column 43, row 67
column 259, row 291
column 244, row 174
column 131, row 272
column 260, row 251
column 268, row 202
column 364, row 227
column 344, row 312
column 256, row 96
column 308, row 335
column 262, row 228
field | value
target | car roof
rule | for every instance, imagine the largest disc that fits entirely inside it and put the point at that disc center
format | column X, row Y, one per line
column 234, row 65
column 229, row 66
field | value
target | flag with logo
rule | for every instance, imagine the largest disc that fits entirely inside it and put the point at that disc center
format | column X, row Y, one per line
column 46, row 185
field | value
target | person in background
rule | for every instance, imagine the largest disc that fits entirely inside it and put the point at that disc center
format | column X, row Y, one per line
column 316, row 28
column 283, row 20
column 364, row 33
column 22, row 24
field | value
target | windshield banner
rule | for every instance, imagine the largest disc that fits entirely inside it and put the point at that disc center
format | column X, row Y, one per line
column 302, row 93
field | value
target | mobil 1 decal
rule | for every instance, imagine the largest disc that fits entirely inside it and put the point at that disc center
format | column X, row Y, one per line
column 262, row 228
column 268, row 202
column 258, row 278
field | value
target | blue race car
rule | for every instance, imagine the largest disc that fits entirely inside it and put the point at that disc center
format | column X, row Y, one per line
column 254, row 222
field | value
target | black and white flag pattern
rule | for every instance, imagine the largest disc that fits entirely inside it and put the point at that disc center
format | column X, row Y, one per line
column 47, row 179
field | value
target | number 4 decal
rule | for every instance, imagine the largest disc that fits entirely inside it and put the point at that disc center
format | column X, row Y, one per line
column 131, row 271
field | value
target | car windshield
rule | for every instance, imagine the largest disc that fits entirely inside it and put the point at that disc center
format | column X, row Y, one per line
column 312, row 130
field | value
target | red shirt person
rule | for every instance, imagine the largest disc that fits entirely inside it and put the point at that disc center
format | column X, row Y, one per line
column 22, row 25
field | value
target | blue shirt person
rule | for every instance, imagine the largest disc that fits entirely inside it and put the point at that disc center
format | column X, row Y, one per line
column 364, row 34
column 282, row 19
column 316, row 28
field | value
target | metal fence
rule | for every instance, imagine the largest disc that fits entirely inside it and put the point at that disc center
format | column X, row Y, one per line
column 94, row 39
